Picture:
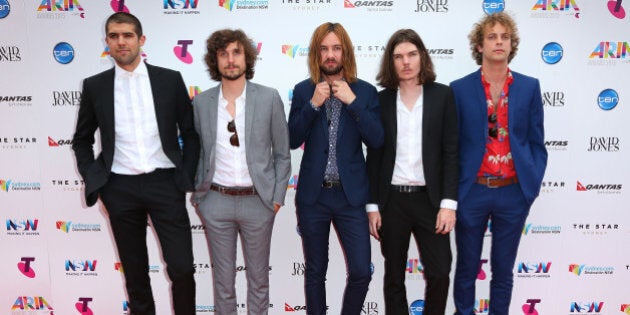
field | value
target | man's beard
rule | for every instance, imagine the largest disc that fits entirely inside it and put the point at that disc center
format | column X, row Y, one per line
column 334, row 71
column 232, row 77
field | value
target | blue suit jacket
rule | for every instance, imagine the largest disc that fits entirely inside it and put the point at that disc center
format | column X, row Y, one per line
column 525, row 126
column 359, row 123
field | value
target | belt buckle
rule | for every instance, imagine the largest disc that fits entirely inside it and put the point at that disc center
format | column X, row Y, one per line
column 405, row 189
column 488, row 179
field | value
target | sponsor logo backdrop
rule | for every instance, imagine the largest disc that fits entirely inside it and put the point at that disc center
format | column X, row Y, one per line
column 59, row 255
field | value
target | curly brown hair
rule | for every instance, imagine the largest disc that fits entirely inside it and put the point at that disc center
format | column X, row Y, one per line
column 477, row 34
column 219, row 40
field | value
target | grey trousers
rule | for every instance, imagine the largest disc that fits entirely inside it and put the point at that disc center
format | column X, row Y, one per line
column 226, row 217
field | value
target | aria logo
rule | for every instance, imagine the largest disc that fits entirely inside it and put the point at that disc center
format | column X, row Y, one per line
column 63, row 53
column 551, row 53
column 493, row 6
column 608, row 99
column 5, row 8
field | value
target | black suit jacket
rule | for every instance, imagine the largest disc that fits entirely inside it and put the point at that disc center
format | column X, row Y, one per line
column 174, row 114
column 439, row 146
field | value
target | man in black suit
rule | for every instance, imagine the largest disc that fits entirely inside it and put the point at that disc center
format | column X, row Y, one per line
column 142, row 169
column 413, row 176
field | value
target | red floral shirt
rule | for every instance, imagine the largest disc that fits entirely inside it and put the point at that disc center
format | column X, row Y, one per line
column 497, row 161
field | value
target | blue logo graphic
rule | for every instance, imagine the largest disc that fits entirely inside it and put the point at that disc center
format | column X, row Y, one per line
column 551, row 53
column 5, row 8
column 417, row 307
column 63, row 53
column 493, row 6
column 607, row 99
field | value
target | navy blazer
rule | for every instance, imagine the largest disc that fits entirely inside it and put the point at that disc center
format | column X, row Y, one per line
column 174, row 115
column 525, row 126
column 359, row 122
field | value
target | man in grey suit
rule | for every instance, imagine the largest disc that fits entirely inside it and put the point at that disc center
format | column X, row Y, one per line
column 243, row 170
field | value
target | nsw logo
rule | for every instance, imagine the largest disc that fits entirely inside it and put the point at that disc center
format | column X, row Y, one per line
column 493, row 6
column 551, row 53
column 63, row 53
column 607, row 99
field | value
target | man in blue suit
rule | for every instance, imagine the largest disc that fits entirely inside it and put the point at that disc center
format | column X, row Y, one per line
column 333, row 113
column 502, row 160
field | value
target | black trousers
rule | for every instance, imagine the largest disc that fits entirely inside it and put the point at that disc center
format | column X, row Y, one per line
column 129, row 199
column 406, row 214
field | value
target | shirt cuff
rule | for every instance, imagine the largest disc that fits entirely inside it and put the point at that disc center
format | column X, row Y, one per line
column 448, row 204
column 313, row 106
column 371, row 207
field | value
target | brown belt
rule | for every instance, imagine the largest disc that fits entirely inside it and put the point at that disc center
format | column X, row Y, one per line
column 234, row 191
column 496, row 182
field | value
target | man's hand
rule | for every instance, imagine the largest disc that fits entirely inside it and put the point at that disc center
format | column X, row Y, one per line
column 375, row 223
column 342, row 91
column 445, row 221
column 321, row 93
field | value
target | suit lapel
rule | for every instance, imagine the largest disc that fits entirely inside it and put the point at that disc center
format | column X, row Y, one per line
column 389, row 115
column 108, row 103
column 156, row 86
column 250, row 110
column 514, row 96
column 212, row 112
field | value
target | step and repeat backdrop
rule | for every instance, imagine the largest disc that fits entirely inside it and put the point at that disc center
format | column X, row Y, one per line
column 58, row 255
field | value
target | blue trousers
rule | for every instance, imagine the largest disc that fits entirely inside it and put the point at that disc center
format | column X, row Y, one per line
column 352, row 228
column 507, row 210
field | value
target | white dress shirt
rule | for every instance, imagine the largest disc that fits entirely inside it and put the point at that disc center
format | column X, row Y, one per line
column 138, row 148
column 230, row 161
column 408, row 167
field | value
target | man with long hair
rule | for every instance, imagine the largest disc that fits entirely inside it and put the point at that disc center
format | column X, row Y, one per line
column 333, row 113
column 413, row 177
column 502, row 160
column 243, row 170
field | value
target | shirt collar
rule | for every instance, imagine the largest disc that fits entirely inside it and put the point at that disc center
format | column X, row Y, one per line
column 419, row 101
column 508, row 80
column 140, row 70
column 239, row 99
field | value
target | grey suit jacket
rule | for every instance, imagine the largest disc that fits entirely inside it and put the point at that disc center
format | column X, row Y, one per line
column 266, row 142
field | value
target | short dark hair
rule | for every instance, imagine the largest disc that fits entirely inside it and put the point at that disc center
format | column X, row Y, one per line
column 387, row 76
column 124, row 17
column 220, row 40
